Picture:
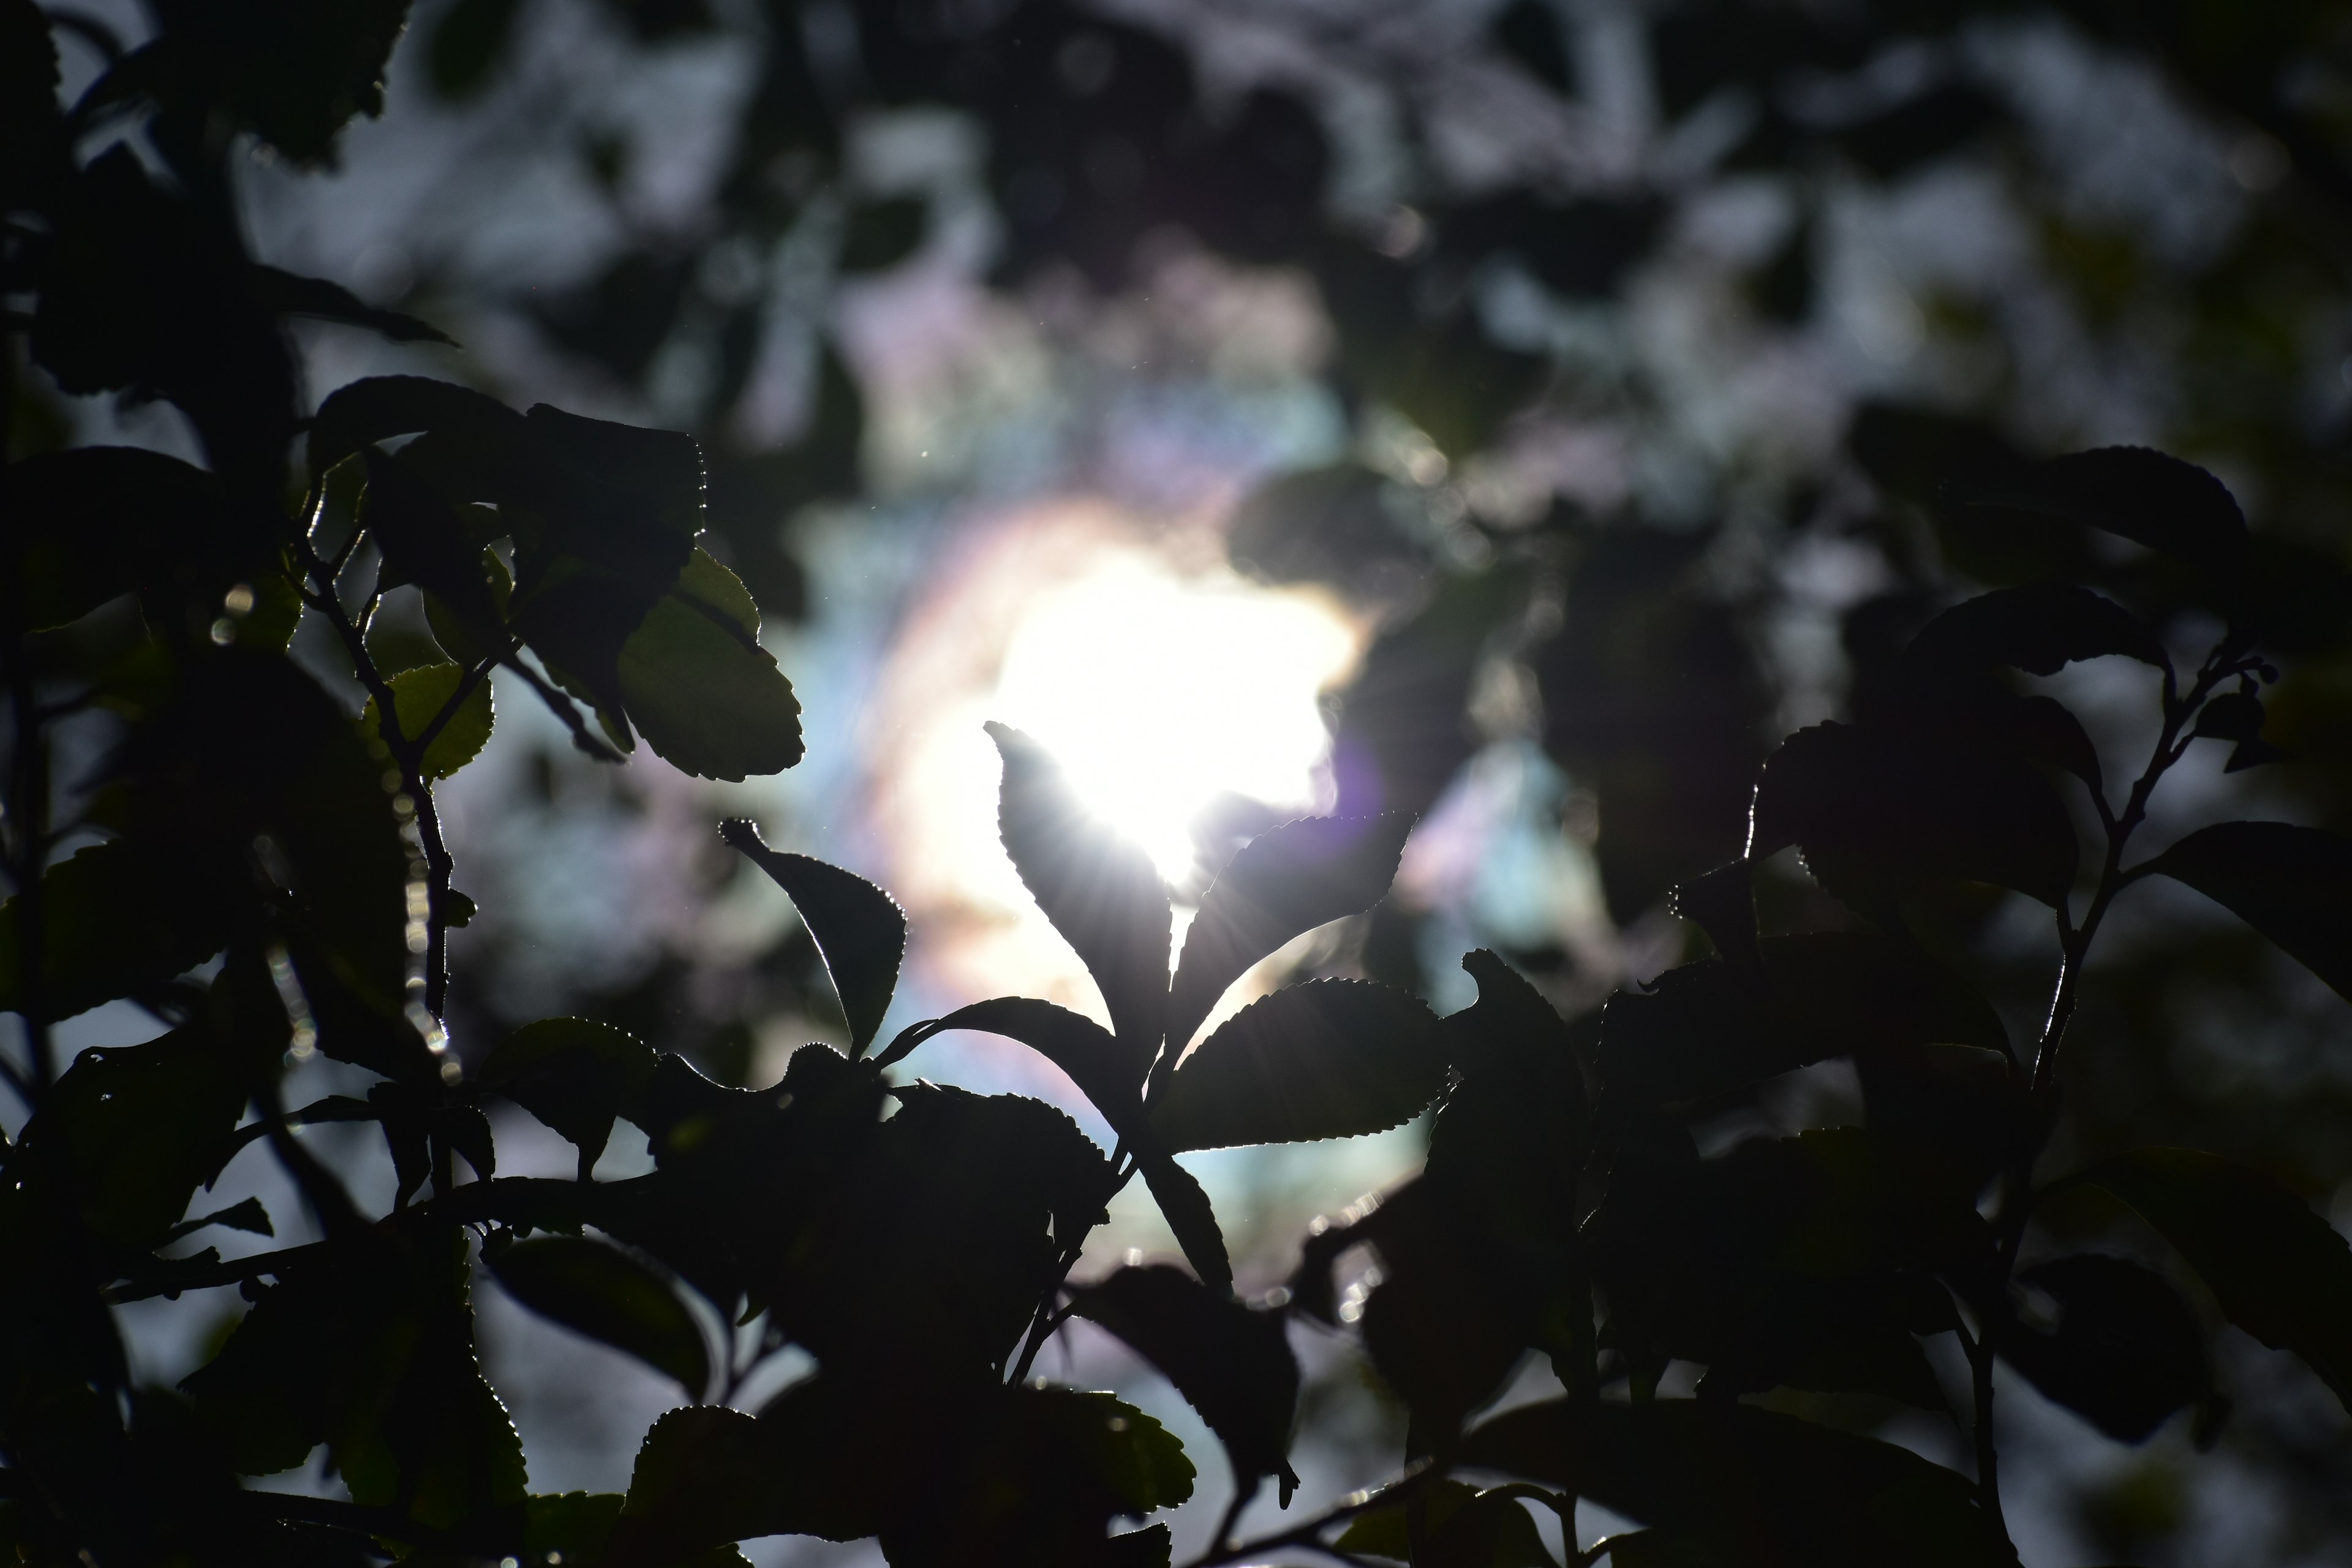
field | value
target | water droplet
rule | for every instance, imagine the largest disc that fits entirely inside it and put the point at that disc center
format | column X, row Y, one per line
column 223, row 632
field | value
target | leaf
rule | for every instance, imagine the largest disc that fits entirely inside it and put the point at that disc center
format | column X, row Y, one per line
column 601, row 1291
column 418, row 697
column 859, row 931
column 1082, row 1048
column 880, row 235
column 1701, row 1031
column 424, row 543
column 2039, row 629
column 129, row 1132
column 1450, row 1316
column 88, row 524
column 291, row 74
column 115, row 918
column 290, row 294
column 2292, row 884
column 1190, row 1216
column 2278, row 1270
column 1102, row 893
column 2125, row 1352
column 1330, row 1058
column 708, row 699
column 1464, row 1527
column 1781, row 1487
column 1873, row 813
column 2162, row 502
column 1231, row 1364
column 1283, row 883
column 467, row 44
column 573, row 1075
column 362, row 413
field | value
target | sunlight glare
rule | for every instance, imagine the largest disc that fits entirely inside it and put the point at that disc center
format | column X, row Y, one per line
column 1159, row 694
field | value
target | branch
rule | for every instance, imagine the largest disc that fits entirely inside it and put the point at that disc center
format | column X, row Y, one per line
column 1306, row 1532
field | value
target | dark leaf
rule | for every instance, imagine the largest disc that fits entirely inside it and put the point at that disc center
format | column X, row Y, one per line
column 2038, row 629
column 2124, row 1353
column 2151, row 498
column 2292, row 884
column 1874, row 813
column 1778, row 1485
column 1082, row 1048
column 1285, row 881
column 289, row 294
column 1330, row 1058
column 424, row 542
column 467, row 44
column 1231, row 1364
column 380, row 407
column 2280, row 1272
column 602, row 1292
column 418, row 696
column 880, row 235
column 1463, row 1528
column 2232, row 716
column 1102, row 892
column 292, row 74
column 245, row 1215
column 129, row 1132
column 573, row 1074
column 1450, row 1318
column 86, row 525
column 115, row 918
column 1701, row 1031
column 1186, row 1208
column 859, row 931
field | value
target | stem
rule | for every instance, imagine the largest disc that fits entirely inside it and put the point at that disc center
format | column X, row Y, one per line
column 28, row 791
column 1306, row 1532
column 1979, row 1351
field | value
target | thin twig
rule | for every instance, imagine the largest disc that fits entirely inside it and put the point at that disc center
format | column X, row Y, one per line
column 1305, row 1533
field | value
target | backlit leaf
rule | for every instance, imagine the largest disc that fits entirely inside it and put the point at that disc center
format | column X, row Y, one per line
column 1082, row 1048
column 573, row 1074
column 1285, row 881
column 1330, row 1058
column 602, row 1292
column 418, row 697
column 859, row 931
column 708, row 698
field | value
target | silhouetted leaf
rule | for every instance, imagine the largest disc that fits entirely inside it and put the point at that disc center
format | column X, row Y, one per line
column 2125, row 1352
column 424, row 543
column 2151, row 498
column 573, row 1074
column 1102, row 892
column 1464, row 1527
column 880, row 235
column 859, row 931
column 1231, row 1364
column 1186, row 1209
column 115, row 917
column 2280, row 1272
column 289, row 294
column 1082, row 1048
column 1449, row 1319
column 1772, row 1482
column 2292, row 884
column 1330, row 1058
column 418, row 697
column 1700, row 1030
column 468, row 43
column 2039, row 629
column 292, row 74
column 380, row 407
column 1873, row 813
column 1285, row 881
column 604, row 1293
column 86, row 525
column 129, row 1132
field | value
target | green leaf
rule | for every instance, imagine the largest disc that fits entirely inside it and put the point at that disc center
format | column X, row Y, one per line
column 574, row 1075
column 115, row 917
column 418, row 697
column 2125, row 1350
column 1702, row 1030
column 1102, row 892
column 2039, row 629
column 2148, row 498
column 880, row 235
column 424, row 543
column 380, row 407
column 290, row 294
column 1782, row 1487
column 1082, row 1048
column 708, row 698
column 602, row 1292
column 1331, row 1059
column 1874, row 813
column 859, row 931
column 1231, row 1364
column 2278, row 1270
column 1190, row 1216
column 1283, row 883
column 2292, row 884
column 130, row 1132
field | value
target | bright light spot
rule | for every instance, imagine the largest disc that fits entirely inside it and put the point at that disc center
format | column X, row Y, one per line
column 1159, row 694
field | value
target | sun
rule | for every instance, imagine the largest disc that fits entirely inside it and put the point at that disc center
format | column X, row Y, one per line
column 1160, row 694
